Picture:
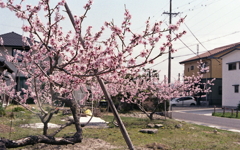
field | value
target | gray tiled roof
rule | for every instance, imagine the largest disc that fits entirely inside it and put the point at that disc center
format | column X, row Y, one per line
column 12, row 39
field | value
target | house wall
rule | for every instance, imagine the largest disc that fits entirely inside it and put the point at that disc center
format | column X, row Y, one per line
column 230, row 78
column 195, row 64
column 216, row 68
column 188, row 69
column 215, row 71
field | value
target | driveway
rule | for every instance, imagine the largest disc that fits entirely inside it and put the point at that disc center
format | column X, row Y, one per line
column 202, row 116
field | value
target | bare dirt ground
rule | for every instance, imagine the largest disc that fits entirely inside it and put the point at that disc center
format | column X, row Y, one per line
column 4, row 129
column 87, row 144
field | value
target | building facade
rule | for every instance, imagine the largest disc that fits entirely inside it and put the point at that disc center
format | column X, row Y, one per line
column 231, row 78
column 211, row 59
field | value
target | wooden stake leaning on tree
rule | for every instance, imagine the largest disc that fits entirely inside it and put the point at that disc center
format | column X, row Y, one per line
column 107, row 96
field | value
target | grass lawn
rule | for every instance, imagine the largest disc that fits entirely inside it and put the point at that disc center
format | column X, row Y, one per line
column 227, row 115
column 188, row 137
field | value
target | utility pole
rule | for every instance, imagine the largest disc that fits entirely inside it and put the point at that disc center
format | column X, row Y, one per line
column 169, row 55
column 170, row 32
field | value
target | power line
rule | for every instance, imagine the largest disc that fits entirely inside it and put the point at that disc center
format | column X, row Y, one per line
column 199, row 41
column 189, row 48
column 213, row 21
column 184, row 5
column 212, row 39
column 158, row 63
column 199, row 5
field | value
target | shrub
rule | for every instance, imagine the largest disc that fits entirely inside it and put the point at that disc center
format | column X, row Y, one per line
column 17, row 109
column 2, row 110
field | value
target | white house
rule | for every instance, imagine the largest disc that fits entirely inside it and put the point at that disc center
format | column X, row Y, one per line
column 231, row 78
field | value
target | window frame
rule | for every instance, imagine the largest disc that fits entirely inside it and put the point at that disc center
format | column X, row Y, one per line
column 232, row 66
column 236, row 88
column 192, row 67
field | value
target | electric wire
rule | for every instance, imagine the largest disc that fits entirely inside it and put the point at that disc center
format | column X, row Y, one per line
column 215, row 19
column 158, row 63
column 199, row 41
column 219, row 37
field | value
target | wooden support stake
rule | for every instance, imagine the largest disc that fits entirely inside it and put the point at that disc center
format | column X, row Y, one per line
column 115, row 113
column 224, row 111
column 107, row 96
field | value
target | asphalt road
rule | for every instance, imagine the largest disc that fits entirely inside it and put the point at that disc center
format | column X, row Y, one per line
column 202, row 116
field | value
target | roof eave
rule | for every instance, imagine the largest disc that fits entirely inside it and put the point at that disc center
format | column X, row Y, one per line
column 183, row 62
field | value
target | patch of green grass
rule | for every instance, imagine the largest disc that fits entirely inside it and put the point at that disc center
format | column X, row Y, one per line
column 226, row 115
column 188, row 137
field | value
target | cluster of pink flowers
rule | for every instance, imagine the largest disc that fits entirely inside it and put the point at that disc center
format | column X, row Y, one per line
column 2, row 4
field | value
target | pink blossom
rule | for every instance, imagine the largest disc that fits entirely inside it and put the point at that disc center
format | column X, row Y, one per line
column 162, row 49
column 173, row 27
column 151, row 61
column 116, row 30
column 143, row 54
column 26, row 28
column 2, row 4
column 62, row 2
column 132, row 61
column 87, row 6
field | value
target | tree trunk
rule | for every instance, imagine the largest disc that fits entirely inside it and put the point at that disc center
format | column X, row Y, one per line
column 45, row 128
column 31, row 140
column 151, row 116
column 76, row 117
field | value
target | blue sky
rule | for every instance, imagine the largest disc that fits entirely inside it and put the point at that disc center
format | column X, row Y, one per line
column 213, row 22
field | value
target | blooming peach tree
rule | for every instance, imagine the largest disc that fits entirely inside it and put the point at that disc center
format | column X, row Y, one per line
column 58, row 63
column 139, row 89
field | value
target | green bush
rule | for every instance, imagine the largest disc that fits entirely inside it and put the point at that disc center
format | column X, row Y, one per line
column 2, row 110
column 17, row 109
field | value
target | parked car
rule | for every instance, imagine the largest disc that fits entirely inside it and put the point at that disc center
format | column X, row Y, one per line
column 183, row 101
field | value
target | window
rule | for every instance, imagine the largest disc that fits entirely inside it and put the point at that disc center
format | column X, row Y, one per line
column 192, row 67
column 187, row 98
column 236, row 88
column 232, row 66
